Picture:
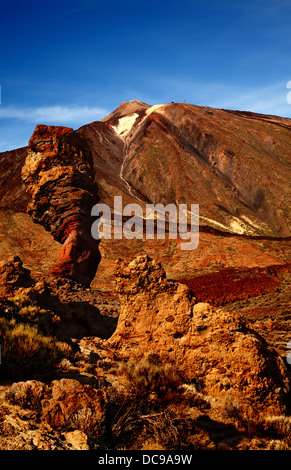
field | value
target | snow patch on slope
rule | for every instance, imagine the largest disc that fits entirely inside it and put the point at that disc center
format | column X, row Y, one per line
column 153, row 108
column 125, row 124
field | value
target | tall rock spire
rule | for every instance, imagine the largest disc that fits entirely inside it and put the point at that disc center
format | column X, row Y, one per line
column 59, row 177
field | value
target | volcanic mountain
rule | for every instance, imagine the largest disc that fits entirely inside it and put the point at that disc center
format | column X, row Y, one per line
column 234, row 164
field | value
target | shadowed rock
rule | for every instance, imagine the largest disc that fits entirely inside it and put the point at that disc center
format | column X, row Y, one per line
column 59, row 177
column 13, row 276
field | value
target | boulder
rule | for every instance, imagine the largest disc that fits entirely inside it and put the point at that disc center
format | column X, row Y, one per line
column 65, row 404
column 59, row 177
column 13, row 276
column 216, row 350
column 77, row 440
column 73, row 405
column 27, row 394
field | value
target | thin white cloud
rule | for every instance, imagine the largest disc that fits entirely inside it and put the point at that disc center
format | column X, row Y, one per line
column 77, row 115
column 265, row 99
column 270, row 99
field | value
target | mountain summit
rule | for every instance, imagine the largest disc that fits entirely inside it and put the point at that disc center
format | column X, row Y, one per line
column 125, row 343
column 234, row 164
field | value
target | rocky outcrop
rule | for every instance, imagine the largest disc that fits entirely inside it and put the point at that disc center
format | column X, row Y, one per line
column 12, row 190
column 13, row 276
column 214, row 349
column 59, row 178
column 63, row 308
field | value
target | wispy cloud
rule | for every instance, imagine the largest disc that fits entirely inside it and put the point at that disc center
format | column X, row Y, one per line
column 266, row 99
column 271, row 99
column 73, row 115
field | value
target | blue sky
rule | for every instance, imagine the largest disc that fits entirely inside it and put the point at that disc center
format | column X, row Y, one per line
column 71, row 62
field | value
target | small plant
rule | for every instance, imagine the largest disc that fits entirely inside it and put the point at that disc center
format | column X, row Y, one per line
column 279, row 426
column 20, row 300
column 147, row 377
column 26, row 309
column 26, row 351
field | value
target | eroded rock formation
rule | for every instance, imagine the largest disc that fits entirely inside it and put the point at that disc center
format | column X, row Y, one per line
column 64, row 310
column 13, row 275
column 216, row 350
column 59, row 178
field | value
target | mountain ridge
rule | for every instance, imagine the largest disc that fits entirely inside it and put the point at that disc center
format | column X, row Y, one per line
column 180, row 135
column 234, row 164
column 155, row 129
column 160, row 347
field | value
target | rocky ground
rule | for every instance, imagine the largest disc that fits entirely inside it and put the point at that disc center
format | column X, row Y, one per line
column 138, row 344
column 167, row 373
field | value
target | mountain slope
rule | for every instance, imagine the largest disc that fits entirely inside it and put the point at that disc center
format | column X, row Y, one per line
column 235, row 165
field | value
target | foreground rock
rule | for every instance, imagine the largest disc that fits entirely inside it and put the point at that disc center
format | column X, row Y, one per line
column 59, row 178
column 66, row 406
column 61, row 308
column 213, row 349
column 13, row 275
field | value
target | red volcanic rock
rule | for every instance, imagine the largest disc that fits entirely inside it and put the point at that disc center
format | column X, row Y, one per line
column 12, row 190
column 229, row 285
column 59, row 177
column 214, row 349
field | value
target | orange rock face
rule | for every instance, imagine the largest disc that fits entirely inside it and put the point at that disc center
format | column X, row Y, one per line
column 13, row 275
column 214, row 349
column 59, row 178
column 62, row 403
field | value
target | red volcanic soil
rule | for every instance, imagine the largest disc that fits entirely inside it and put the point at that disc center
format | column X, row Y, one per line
column 232, row 284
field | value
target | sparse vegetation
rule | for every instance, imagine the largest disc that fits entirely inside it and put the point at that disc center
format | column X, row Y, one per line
column 139, row 416
column 152, row 377
column 149, row 405
column 26, row 309
column 25, row 350
column 152, row 410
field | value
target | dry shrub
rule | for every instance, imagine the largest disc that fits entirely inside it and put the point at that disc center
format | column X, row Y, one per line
column 276, row 444
column 150, row 409
column 274, row 430
column 21, row 300
column 279, row 427
column 151, row 445
column 25, row 351
column 137, row 425
column 26, row 309
column 149, row 377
